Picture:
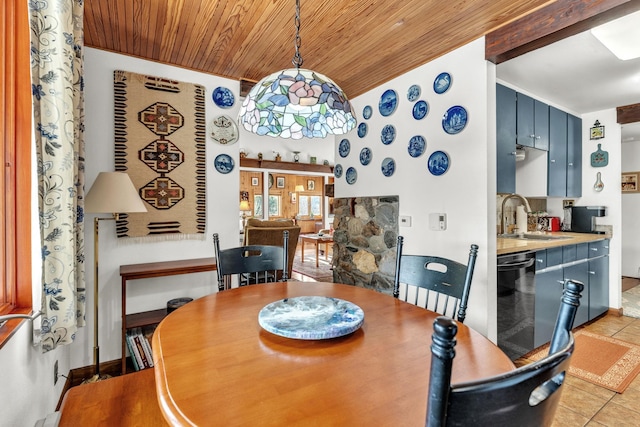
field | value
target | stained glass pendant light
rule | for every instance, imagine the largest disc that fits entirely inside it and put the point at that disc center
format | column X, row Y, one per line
column 296, row 102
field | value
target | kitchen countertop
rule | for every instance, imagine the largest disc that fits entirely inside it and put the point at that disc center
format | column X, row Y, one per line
column 512, row 245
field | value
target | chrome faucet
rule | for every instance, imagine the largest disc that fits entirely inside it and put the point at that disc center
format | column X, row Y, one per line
column 512, row 196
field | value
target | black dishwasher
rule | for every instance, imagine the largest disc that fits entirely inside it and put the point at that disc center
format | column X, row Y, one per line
column 516, row 303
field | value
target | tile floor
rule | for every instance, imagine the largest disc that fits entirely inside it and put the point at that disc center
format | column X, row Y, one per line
column 585, row 404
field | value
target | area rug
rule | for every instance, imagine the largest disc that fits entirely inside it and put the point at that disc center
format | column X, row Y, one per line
column 323, row 273
column 631, row 302
column 600, row 360
column 160, row 134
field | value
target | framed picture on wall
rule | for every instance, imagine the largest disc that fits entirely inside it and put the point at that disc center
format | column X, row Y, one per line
column 254, row 181
column 630, row 182
column 280, row 182
column 311, row 185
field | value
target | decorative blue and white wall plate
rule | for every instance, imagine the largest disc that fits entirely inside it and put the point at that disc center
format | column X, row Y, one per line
column 388, row 134
column 454, row 120
column 442, row 83
column 366, row 112
column 351, row 175
column 344, row 148
column 413, row 93
column 417, row 145
column 438, row 163
column 365, row 156
column 420, row 109
column 337, row 170
column 223, row 97
column 388, row 166
column 388, row 102
column 224, row 163
column 362, row 130
column 311, row 317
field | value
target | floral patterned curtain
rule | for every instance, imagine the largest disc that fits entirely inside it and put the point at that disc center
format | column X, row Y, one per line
column 58, row 102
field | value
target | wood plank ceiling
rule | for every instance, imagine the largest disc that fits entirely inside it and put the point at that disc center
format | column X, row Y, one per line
column 360, row 44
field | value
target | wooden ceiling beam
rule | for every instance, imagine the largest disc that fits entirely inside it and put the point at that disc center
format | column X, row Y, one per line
column 551, row 23
column 628, row 114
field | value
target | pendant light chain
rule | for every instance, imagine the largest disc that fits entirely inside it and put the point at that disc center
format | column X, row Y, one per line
column 297, row 58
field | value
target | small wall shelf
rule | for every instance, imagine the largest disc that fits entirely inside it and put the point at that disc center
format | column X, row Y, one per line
column 293, row 166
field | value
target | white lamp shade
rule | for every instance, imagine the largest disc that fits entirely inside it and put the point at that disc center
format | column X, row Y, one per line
column 299, row 188
column 113, row 192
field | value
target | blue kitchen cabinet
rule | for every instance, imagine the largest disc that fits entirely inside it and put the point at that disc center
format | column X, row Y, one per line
column 505, row 139
column 532, row 123
column 574, row 156
column 557, row 159
column 547, row 303
column 564, row 167
column 598, row 278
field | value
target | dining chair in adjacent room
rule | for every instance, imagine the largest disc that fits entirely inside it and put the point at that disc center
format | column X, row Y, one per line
column 438, row 284
column 527, row 396
column 251, row 264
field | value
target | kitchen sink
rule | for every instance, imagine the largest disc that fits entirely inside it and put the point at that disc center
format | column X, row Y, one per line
column 528, row 236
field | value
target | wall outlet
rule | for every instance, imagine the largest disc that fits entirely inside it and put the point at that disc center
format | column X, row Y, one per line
column 55, row 373
column 567, row 203
column 405, row 221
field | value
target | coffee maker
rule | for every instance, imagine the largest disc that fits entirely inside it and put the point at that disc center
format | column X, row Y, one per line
column 583, row 218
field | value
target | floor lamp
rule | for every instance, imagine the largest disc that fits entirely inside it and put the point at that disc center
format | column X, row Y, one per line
column 113, row 193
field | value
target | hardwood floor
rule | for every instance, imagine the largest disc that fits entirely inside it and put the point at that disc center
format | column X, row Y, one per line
column 585, row 404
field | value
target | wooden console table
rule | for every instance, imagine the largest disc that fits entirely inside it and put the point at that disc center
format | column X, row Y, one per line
column 147, row 271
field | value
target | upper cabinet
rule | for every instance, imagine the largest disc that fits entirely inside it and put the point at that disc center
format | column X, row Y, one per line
column 556, row 135
column 565, row 154
column 532, row 125
column 505, row 139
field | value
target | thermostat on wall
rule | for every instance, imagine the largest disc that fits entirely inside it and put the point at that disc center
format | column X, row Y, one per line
column 437, row 221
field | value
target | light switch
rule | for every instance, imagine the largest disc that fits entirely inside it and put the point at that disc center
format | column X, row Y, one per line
column 405, row 221
column 438, row 221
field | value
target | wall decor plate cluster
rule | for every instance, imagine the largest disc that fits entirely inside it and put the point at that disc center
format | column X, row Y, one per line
column 388, row 134
column 417, row 145
column 388, row 102
column 420, row 110
column 388, row 166
column 224, row 130
column 365, row 156
column 454, row 120
column 442, row 83
column 223, row 97
column 413, row 93
column 160, row 134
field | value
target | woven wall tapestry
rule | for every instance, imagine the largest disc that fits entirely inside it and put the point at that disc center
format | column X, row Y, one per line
column 160, row 134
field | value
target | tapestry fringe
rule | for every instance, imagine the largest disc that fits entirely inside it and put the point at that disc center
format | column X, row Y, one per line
column 160, row 238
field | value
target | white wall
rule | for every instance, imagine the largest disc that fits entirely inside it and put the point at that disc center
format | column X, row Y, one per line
column 630, row 217
column 464, row 193
column 610, row 196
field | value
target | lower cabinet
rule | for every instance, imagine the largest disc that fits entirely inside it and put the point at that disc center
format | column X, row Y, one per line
column 593, row 272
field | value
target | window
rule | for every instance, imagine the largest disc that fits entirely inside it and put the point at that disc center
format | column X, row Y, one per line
column 257, row 205
column 309, row 206
column 15, row 132
column 274, row 205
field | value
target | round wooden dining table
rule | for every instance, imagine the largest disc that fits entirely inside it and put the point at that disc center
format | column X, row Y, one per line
column 215, row 365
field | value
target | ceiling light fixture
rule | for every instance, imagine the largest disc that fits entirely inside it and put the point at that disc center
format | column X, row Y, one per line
column 296, row 102
column 621, row 36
